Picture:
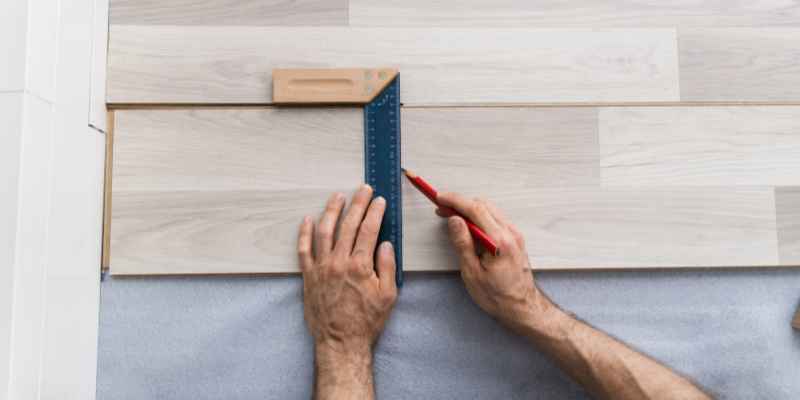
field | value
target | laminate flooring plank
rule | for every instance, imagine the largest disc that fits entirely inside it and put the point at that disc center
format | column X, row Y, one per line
column 237, row 149
column 209, row 232
column 573, row 13
column 592, row 228
column 223, row 191
column 233, row 64
column 502, row 148
column 787, row 202
column 700, row 146
column 229, row 12
column 740, row 64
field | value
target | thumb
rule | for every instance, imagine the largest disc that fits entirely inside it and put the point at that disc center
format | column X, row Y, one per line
column 386, row 269
column 462, row 241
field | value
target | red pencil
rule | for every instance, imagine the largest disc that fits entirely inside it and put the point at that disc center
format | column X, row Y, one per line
column 430, row 193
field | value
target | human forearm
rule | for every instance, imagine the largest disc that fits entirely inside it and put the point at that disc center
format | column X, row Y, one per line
column 343, row 374
column 348, row 292
column 606, row 367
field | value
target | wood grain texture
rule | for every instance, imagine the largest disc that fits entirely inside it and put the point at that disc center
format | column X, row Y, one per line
column 700, row 146
column 744, row 64
column 232, row 64
column 229, row 12
column 502, row 148
column 210, row 232
column 223, row 191
column 587, row 228
column 237, row 149
column 573, row 13
column 787, row 202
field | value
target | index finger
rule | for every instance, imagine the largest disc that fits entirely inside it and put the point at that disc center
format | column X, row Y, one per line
column 476, row 211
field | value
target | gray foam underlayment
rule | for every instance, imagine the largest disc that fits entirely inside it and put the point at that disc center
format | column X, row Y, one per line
column 244, row 337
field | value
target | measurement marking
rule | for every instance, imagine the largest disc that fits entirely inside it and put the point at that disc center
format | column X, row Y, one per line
column 382, row 152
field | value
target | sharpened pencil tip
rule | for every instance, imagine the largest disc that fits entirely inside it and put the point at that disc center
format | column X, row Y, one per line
column 409, row 173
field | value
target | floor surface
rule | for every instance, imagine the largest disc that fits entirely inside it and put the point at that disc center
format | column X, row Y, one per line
column 244, row 337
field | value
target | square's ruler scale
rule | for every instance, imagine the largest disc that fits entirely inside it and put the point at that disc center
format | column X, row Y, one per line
column 378, row 90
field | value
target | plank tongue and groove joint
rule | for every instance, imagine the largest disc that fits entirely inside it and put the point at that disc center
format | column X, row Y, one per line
column 379, row 91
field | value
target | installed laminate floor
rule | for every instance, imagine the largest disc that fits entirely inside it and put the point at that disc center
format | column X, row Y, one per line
column 616, row 134
column 222, row 190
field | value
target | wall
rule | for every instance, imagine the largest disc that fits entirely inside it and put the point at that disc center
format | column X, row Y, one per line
column 51, row 173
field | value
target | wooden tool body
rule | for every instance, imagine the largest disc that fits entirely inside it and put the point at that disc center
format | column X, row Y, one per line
column 329, row 86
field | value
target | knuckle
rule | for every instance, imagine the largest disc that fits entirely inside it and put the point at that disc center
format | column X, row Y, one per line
column 520, row 239
column 337, row 269
column 389, row 296
column 349, row 224
column 367, row 229
column 507, row 241
column 326, row 264
column 478, row 206
column 361, row 259
column 332, row 206
column 325, row 230
column 461, row 241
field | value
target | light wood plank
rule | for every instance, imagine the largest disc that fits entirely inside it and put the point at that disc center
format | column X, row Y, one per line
column 237, row 149
column 227, row 12
column 502, row 148
column 787, row 202
column 205, row 191
column 154, row 64
column 202, row 191
column 700, row 146
column 223, row 191
column 745, row 64
column 210, row 232
column 589, row 228
column 573, row 13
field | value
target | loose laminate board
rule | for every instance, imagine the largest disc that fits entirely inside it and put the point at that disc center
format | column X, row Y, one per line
column 223, row 190
column 233, row 64
column 573, row 13
column 699, row 146
column 226, row 12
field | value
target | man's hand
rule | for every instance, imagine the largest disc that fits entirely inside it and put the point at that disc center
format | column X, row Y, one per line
column 346, row 303
column 502, row 285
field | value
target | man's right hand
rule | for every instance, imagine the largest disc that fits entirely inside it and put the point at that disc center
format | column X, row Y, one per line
column 501, row 285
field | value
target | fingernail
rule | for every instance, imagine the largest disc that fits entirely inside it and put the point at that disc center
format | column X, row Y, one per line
column 339, row 196
column 306, row 219
column 366, row 187
column 387, row 245
column 380, row 200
